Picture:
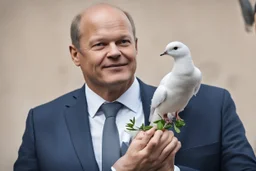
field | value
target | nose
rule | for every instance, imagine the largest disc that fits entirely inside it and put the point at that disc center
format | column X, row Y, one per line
column 114, row 52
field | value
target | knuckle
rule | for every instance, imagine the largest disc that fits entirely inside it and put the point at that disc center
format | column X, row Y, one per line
column 179, row 144
column 154, row 142
column 160, row 132
column 140, row 134
column 140, row 145
column 143, row 154
column 171, row 133
column 155, row 162
column 148, row 134
column 175, row 140
column 172, row 155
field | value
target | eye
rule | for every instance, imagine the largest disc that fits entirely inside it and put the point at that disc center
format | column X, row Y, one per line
column 124, row 41
column 175, row 48
column 99, row 44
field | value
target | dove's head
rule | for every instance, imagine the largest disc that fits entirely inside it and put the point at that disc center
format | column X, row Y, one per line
column 176, row 50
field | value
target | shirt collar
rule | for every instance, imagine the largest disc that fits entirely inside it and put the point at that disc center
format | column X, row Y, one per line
column 130, row 98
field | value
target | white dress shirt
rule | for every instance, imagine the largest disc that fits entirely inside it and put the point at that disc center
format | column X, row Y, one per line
column 132, row 108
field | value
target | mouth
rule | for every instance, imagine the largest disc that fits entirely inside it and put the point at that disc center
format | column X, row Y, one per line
column 115, row 65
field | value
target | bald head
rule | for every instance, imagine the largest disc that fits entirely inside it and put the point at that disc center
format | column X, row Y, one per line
column 91, row 14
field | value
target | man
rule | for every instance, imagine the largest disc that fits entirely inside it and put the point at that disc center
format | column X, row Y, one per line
column 69, row 133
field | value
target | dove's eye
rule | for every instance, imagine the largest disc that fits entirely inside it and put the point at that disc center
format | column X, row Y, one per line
column 175, row 48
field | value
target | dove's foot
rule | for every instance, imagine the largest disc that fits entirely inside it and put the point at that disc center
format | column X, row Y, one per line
column 166, row 118
column 177, row 116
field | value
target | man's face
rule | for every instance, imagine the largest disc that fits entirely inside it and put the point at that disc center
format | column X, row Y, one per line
column 108, row 49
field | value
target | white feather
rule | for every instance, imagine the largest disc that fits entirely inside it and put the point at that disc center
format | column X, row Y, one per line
column 177, row 87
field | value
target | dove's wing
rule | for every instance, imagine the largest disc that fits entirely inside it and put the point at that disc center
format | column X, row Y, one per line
column 158, row 97
column 164, row 79
column 197, row 89
column 199, row 75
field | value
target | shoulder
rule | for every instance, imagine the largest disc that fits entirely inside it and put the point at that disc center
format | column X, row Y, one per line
column 208, row 94
column 146, row 89
column 59, row 102
column 213, row 92
column 206, row 90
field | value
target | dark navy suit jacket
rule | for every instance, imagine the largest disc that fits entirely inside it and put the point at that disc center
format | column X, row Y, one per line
column 57, row 134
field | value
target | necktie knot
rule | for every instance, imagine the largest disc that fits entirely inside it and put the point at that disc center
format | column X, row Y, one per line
column 111, row 109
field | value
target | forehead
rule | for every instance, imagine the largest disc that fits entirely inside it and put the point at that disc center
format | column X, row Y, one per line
column 105, row 22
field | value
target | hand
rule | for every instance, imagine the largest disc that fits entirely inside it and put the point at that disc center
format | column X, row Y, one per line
column 168, row 164
column 150, row 151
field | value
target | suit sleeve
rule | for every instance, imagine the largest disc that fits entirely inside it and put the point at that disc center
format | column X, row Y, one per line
column 27, row 159
column 237, row 154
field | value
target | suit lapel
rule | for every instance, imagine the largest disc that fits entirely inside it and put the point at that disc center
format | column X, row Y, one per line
column 78, row 124
column 146, row 93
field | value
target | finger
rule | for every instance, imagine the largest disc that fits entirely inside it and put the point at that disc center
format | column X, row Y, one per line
column 165, row 140
column 155, row 153
column 170, row 159
column 173, row 153
column 139, row 136
column 147, row 135
column 142, row 138
column 169, row 149
column 154, row 141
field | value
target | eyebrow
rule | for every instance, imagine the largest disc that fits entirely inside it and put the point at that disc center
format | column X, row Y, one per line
column 102, row 38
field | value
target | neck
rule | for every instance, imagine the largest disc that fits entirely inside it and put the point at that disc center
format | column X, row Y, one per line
column 183, row 65
column 111, row 92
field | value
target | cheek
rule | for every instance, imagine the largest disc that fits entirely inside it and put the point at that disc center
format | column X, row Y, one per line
column 96, row 58
column 130, row 54
column 91, row 63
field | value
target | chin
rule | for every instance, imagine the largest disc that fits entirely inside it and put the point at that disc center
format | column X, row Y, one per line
column 118, row 79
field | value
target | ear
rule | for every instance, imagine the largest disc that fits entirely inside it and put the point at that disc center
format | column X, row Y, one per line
column 74, row 55
column 136, row 45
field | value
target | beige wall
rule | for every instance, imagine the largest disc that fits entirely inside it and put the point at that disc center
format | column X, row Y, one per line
column 35, row 64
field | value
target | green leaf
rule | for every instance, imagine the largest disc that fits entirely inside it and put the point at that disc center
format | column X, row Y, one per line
column 163, row 121
column 142, row 126
column 129, row 125
column 180, row 123
column 157, row 121
column 147, row 128
column 168, row 126
column 160, row 125
column 176, row 129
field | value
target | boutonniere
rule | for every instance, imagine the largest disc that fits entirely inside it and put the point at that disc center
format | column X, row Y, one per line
column 161, row 124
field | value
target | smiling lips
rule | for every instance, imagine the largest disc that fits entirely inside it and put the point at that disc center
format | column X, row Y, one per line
column 114, row 65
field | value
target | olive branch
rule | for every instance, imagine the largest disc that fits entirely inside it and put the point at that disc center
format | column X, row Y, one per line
column 161, row 125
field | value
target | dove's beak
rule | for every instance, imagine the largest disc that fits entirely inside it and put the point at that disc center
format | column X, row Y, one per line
column 163, row 54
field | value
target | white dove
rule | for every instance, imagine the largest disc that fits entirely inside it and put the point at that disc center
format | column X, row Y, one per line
column 177, row 87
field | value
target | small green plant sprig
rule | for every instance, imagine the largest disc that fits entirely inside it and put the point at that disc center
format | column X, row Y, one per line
column 161, row 125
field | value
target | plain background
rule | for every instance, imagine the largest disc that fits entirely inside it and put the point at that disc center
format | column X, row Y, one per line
column 35, row 65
